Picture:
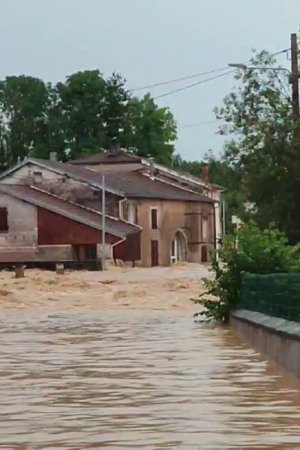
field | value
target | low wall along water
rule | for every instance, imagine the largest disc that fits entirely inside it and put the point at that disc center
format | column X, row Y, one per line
column 269, row 317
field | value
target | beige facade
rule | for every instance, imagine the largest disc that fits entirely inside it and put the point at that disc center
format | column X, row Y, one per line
column 178, row 223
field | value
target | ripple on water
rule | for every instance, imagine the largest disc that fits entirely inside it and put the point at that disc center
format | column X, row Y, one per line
column 126, row 381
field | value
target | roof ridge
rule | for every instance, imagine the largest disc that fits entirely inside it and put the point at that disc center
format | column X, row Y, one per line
column 175, row 185
column 179, row 174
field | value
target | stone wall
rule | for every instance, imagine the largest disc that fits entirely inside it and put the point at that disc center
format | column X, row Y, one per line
column 277, row 338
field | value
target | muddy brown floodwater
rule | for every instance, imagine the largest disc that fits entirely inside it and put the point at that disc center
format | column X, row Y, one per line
column 138, row 379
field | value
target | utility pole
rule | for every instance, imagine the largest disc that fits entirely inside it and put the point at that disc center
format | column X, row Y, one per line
column 295, row 76
column 103, row 223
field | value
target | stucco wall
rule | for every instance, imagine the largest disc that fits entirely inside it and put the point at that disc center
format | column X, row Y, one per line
column 277, row 338
column 172, row 216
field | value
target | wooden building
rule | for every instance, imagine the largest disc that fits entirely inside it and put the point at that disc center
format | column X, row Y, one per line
column 38, row 226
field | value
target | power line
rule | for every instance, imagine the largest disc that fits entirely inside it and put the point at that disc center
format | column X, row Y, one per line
column 199, row 124
column 189, row 86
column 210, row 79
column 189, row 77
column 177, row 80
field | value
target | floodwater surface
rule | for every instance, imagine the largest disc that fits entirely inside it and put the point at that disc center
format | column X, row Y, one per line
column 134, row 380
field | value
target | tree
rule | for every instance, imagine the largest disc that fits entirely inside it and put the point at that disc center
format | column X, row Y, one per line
column 23, row 110
column 150, row 130
column 79, row 117
column 258, row 252
column 265, row 145
column 78, row 112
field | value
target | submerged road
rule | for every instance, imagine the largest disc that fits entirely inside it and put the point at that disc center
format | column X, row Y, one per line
column 130, row 380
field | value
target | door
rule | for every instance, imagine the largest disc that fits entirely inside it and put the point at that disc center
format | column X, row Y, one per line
column 154, row 253
column 204, row 254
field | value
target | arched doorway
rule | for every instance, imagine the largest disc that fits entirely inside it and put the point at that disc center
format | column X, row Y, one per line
column 179, row 248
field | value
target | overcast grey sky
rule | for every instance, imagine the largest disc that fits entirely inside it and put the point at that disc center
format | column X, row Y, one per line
column 147, row 41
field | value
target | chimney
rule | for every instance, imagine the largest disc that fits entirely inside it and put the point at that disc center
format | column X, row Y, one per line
column 114, row 147
column 152, row 169
column 205, row 174
column 53, row 156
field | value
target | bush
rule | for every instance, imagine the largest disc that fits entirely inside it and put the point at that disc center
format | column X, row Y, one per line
column 258, row 252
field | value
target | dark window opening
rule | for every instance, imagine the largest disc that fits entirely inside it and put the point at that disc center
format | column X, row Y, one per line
column 3, row 220
column 85, row 252
column 37, row 177
column 154, row 222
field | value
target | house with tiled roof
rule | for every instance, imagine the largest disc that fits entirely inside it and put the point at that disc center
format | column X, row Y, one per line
column 168, row 217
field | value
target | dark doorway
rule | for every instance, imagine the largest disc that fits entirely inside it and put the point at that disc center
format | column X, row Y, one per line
column 204, row 254
column 154, row 253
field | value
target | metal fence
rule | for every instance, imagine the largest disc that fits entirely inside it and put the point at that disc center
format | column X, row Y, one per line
column 277, row 295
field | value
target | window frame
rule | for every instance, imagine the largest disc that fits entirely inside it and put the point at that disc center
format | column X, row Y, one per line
column 130, row 212
column 154, row 224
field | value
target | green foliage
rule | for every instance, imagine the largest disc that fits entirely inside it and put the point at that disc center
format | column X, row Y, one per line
column 258, row 252
column 23, row 110
column 150, row 130
column 79, row 117
column 264, row 144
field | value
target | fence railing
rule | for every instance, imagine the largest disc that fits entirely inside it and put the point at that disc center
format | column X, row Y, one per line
column 277, row 295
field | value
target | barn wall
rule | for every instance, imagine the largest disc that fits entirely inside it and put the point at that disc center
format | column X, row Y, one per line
column 130, row 249
column 55, row 229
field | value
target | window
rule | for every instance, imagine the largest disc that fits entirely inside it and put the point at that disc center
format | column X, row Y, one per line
column 204, row 230
column 37, row 177
column 154, row 222
column 3, row 220
column 130, row 212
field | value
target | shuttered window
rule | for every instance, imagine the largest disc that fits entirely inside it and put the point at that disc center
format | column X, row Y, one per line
column 154, row 222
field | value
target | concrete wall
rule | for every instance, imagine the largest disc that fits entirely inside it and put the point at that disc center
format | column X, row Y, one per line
column 278, row 338
column 172, row 216
column 21, row 238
